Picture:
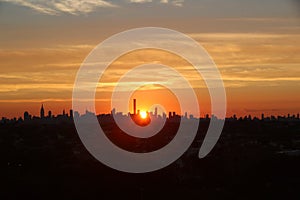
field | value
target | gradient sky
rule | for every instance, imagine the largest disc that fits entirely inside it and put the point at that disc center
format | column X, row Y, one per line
column 255, row 44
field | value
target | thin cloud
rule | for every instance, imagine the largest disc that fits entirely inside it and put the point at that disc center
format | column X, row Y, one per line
column 164, row 1
column 178, row 3
column 56, row 7
column 76, row 7
column 140, row 1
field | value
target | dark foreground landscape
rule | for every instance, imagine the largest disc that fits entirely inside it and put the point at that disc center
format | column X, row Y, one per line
column 253, row 159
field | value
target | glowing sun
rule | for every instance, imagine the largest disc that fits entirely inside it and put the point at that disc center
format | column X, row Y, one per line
column 143, row 114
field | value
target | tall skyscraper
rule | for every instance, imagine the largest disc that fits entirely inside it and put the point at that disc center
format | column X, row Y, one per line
column 134, row 106
column 42, row 112
column 49, row 114
column 71, row 113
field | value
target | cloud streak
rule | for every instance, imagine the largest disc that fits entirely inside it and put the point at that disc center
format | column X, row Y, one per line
column 77, row 7
column 56, row 7
column 178, row 3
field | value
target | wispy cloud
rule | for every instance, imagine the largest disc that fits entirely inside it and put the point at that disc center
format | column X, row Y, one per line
column 140, row 1
column 56, row 7
column 178, row 3
column 76, row 7
column 164, row 1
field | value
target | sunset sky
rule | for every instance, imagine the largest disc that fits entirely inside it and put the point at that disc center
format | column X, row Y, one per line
column 254, row 43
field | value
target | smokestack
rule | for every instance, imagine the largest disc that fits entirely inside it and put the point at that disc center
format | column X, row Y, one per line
column 134, row 106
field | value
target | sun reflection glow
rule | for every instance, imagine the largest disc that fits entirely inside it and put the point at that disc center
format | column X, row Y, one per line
column 143, row 114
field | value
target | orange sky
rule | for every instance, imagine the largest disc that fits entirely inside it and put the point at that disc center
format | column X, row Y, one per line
column 257, row 54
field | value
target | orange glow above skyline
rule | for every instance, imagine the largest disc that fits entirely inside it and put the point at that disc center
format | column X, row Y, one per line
column 257, row 55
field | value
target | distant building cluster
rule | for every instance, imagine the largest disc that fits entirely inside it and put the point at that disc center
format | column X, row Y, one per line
column 27, row 117
column 289, row 117
column 172, row 116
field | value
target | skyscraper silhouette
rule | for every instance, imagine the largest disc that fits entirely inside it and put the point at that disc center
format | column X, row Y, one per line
column 134, row 106
column 49, row 114
column 42, row 112
column 26, row 115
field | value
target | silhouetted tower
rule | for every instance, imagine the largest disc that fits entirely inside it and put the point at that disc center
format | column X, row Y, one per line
column 26, row 116
column 134, row 106
column 207, row 116
column 234, row 117
column 71, row 113
column 42, row 112
column 49, row 114
column 76, row 115
column 298, row 116
column 170, row 115
column 113, row 112
column 263, row 116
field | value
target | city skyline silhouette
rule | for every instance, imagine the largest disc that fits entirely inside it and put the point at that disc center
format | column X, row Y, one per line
column 135, row 115
column 149, row 99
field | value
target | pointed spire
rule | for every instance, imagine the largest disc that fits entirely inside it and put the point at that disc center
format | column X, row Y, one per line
column 42, row 111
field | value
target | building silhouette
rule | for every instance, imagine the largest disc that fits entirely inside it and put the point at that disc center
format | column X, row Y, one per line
column 49, row 114
column 26, row 116
column 134, row 106
column 71, row 113
column 42, row 112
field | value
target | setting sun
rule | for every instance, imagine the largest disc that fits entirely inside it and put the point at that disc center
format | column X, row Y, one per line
column 143, row 114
